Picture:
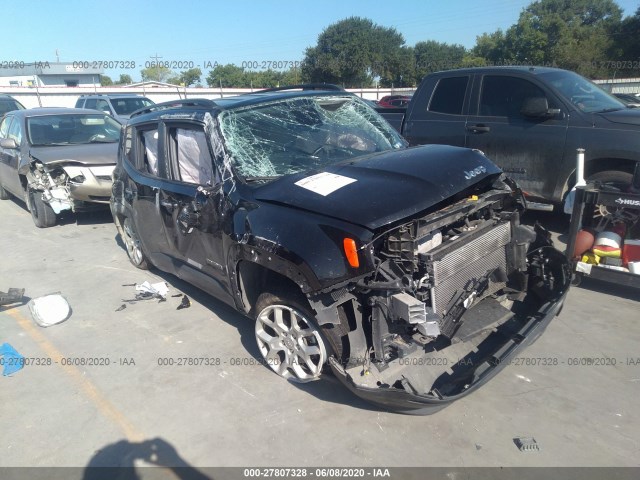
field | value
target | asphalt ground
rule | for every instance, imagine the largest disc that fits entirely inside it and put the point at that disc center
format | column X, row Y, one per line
column 576, row 390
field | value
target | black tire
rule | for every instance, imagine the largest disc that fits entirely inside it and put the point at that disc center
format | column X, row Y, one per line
column 4, row 195
column 131, row 240
column 294, row 309
column 613, row 178
column 42, row 214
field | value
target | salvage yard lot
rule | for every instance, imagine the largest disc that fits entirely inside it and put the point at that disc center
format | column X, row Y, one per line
column 223, row 408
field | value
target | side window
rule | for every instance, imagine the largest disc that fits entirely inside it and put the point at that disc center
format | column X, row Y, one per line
column 4, row 127
column 504, row 96
column 102, row 105
column 190, row 154
column 147, row 150
column 150, row 141
column 448, row 96
column 15, row 132
column 90, row 103
column 79, row 102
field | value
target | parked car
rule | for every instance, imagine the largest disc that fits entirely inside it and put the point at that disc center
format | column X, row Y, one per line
column 530, row 121
column 628, row 99
column 8, row 104
column 394, row 101
column 406, row 270
column 57, row 159
column 119, row 106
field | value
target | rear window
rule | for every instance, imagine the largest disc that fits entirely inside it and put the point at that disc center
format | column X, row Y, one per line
column 448, row 96
column 126, row 106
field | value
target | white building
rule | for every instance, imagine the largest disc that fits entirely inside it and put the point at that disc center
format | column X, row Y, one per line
column 50, row 74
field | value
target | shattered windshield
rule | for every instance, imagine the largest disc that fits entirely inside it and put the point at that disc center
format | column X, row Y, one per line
column 585, row 95
column 72, row 129
column 303, row 134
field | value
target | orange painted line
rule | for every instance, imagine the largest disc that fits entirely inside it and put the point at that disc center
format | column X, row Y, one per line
column 104, row 406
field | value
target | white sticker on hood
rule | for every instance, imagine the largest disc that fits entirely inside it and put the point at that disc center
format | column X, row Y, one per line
column 325, row 183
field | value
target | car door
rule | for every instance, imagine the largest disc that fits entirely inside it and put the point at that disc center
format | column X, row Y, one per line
column 437, row 112
column 189, row 204
column 528, row 149
column 11, row 128
column 142, row 153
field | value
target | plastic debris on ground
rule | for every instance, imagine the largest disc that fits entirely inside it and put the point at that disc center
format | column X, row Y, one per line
column 11, row 359
column 14, row 295
column 526, row 444
column 148, row 291
column 185, row 303
column 50, row 309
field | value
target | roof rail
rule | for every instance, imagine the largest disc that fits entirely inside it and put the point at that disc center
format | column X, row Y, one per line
column 191, row 102
column 304, row 86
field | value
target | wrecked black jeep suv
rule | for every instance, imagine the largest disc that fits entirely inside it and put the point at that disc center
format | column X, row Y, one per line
column 406, row 270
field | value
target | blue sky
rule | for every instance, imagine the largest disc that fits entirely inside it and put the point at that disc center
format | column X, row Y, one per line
column 202, row 31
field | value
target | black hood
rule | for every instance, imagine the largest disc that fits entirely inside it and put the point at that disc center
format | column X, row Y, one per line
column 384, row 187
column 629, row 116
column 87, row 154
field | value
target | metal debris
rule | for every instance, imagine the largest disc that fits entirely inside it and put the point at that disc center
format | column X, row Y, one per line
column 121, row 307
column 526, row 444
column 14, row 295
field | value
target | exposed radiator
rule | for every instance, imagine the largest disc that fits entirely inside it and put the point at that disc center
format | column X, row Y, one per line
column 454, row 270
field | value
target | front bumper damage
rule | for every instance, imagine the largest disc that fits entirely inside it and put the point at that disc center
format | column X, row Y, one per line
column 71, row 186
column 454, row 296
column 423, row 380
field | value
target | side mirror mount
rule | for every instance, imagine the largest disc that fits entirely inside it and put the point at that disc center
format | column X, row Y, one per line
column 8, row 143
column 538, row 107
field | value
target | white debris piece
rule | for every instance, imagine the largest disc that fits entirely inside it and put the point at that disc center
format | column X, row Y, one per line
column 159, row 289
column 49, row 309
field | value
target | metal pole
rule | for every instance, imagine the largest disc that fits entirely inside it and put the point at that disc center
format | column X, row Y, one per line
column 580, row 167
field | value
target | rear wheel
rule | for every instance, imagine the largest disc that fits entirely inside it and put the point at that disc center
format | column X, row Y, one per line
column 290, row 341
column 42, row 214
column 133, row 245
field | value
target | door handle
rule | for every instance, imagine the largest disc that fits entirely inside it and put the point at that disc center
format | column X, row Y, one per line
column 478, row 128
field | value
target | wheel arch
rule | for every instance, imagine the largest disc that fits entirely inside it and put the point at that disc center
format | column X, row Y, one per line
column 254, row 279
column 596, row 165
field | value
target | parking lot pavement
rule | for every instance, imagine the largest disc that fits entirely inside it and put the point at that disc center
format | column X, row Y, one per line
column 229, row 410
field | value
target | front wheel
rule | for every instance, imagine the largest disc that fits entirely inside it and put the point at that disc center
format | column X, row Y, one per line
column 288, row 338
column 42, row 214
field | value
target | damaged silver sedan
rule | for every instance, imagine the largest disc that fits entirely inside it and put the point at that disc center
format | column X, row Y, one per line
column 57, row 159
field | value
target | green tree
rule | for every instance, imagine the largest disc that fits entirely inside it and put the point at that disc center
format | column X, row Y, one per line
column 353, row 52
column 158, row 73
column 627, row 44
column 432, row 56
column 190, row 77
column 105, row 80
column 228, row 76
column 491, row 47
column 124, row 79
column 400, row 69
column 572, row 34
